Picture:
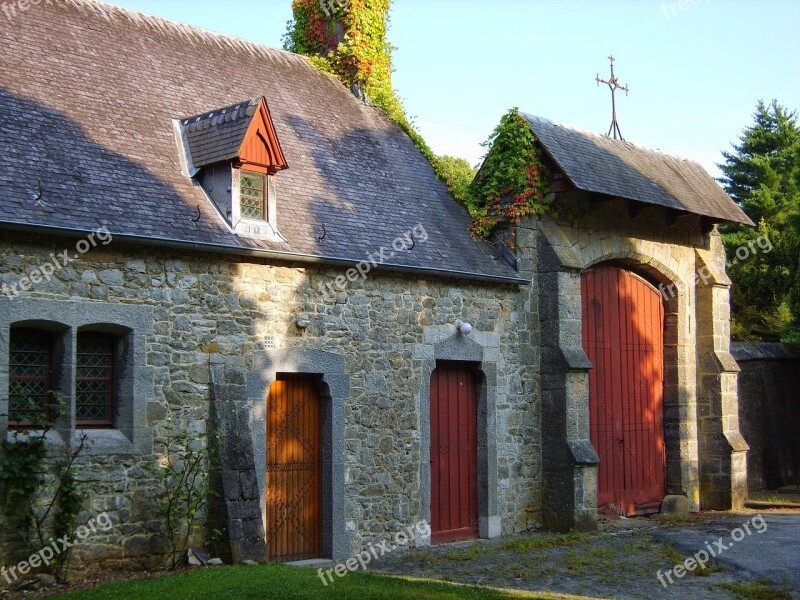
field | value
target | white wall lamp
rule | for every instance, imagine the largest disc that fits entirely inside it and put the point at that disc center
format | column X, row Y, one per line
column 463, row 327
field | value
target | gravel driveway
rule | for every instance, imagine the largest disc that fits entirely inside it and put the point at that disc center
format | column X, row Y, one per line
column 771, row 551
column 624, row 559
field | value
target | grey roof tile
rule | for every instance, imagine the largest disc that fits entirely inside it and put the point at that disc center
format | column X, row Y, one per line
column 745, row 351
column 217, row 135
column 93, row 122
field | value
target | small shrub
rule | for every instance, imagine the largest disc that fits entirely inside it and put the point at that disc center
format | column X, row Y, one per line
column 183, row 479
column 26, row 477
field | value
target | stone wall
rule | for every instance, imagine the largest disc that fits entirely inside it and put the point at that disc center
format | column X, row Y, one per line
column 214, row 313
column 769, row 413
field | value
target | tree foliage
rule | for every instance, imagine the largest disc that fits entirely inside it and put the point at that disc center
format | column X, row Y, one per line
column 347, row 40
column 762, row 174
column 457, row 174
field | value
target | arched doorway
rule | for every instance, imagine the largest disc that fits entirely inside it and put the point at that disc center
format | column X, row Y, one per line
column 623, row 336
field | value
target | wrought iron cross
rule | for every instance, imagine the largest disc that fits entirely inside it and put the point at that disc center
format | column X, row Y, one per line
column 613, row 85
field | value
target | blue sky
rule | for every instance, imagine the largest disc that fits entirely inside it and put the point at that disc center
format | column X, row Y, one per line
column 695, row 68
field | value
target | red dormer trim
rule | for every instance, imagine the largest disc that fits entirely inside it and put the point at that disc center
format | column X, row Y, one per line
column 260, row 150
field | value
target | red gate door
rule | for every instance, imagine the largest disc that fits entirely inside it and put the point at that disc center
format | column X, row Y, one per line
column 454, row 455
column 293, row 471
column 623, row 324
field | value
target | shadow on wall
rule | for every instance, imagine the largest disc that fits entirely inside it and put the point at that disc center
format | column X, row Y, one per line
column 769, row 413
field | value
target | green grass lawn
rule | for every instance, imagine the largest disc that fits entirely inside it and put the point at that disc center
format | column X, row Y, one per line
column 279, row 582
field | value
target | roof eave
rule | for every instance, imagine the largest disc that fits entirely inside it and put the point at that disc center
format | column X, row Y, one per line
column 295, row 257
column 744, row 219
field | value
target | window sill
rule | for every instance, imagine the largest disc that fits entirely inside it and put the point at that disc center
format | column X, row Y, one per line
column 258, row 230
column 101, row 441
column 53, row 438
column 104, row 441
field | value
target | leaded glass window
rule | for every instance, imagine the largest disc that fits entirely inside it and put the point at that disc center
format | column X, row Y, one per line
column 94, row 381
column 251, row 194
column 30, row 377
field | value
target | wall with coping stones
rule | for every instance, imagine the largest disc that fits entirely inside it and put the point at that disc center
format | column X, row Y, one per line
column 769, row 412
column 212, row 313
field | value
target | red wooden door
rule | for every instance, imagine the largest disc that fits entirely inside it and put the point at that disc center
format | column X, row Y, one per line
column 454, row 455
column 293, row 470
column 623, row 324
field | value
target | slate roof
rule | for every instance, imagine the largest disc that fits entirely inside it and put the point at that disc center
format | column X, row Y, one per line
column 217, row 135
column 597, row 163
column 88, row 93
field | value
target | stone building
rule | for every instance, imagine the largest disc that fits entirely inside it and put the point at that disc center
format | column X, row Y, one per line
column 208, row 232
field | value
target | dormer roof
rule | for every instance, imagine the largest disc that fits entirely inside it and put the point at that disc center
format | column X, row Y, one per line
column 242, row 132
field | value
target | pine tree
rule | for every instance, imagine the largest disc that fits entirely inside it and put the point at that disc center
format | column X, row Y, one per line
column 762, row 174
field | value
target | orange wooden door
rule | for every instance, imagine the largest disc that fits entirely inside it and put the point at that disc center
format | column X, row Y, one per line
column 623, row 324
column 454, row 455
column 293, row 470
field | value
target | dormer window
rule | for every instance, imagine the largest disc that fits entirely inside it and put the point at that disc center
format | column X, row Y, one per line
column 251, row 195
column 234, row 154
column 254, row 211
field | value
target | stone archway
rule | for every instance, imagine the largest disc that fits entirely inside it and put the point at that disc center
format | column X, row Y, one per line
column 679, row 399
column 569, row 486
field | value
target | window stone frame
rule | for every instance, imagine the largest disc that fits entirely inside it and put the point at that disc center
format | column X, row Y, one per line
column 132, row 323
